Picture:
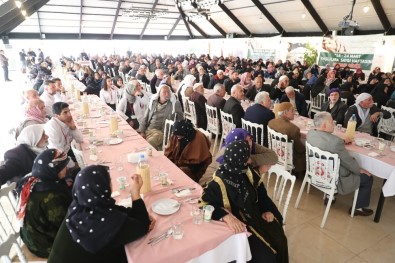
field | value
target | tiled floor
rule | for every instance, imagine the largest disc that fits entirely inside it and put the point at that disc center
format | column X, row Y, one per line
column 344, row 239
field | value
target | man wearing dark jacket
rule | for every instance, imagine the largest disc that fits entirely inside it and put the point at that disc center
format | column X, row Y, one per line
column 233, row 105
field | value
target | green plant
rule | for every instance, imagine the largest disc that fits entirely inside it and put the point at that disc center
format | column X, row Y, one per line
column 310, row 55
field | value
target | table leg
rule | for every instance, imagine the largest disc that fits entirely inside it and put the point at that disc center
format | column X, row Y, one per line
column 380, row 205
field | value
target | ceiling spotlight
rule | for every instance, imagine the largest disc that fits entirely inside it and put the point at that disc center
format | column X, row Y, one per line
column 18, row 4
column 366, row 9
column 303, row 15
column 23, row 12
column 260, row 19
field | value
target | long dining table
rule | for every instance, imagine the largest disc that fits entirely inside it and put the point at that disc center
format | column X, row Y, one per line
column 208, row 242
column 381, row 165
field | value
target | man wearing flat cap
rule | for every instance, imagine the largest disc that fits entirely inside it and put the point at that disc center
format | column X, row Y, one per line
column 284, row 125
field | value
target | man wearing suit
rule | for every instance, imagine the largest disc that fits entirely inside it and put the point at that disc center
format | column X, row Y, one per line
column 260, row 112
column 283, row 124
column 233, row 105
column 297, row 100
column 351, row 176
column 202, row 77
column 335, row 106
column 217, row 98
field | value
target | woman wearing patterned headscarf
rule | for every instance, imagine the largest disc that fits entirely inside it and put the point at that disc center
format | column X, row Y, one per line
column 95, row 228
column 189, row 149
column 133, row 104
column 18, row 161
column 240, row 200
column 34, row 114
column 43, row 201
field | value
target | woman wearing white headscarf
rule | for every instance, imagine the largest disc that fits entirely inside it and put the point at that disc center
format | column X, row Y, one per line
column 188, row 82
column 18, row 161
column 367, row 114
column 133, row 104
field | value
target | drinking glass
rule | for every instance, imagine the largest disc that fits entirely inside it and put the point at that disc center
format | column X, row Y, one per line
column 178, row 230
column 120, row 162
column 163, row 179
column 381, row 145
column 197, row 215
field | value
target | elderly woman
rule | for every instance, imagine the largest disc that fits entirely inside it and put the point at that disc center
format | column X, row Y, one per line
column 18, row 161
column 189, row 149
column 185, row 89
column 197, row 97
column 43, row 201
column 325, row 83
column 34, row 114
column 133, row 104
column 96, row 229
column 335, row 106
column 240, row 200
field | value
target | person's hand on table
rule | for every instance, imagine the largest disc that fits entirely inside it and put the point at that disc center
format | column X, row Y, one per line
column 363, row 171
column 234, row 224
column 152, row 225
column 135, row 185
column 142, row 134
column 375, row 116
column 131, row 123
column 347, row 140
column 268, row 216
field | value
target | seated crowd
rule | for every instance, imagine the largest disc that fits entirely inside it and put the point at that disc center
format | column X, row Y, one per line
column 64, row 229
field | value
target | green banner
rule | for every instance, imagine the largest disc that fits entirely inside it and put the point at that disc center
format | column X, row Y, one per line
column 354, row 61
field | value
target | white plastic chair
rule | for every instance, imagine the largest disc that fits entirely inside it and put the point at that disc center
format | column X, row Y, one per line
column 279, row 143
column 9, row 235
column 227, row 124
column 167, row 132
column 192, row 109
column 187, row 111
column 206, row 133
column 344, row 100
column 308, row 102
column 280, row 188
column 255, row 129
column 213, row 124
column 79, row 156
column 322, row 172
column 317, row 102
column 387, row 126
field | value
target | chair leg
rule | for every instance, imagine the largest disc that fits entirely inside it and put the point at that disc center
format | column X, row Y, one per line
column 215, row 142
column 301, row 191
column 354, row 202
column 328, row 206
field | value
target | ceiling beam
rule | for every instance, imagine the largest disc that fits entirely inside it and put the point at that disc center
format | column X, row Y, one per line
column 315, row 16
column 80, row 31
column 185, row 22
column 382, row 16
column 39, row 25
column 148, row 19
column 201, row 32
column 115, row 18
column 174, row 26
column 269, row 17
column 234, row 18
column 7, row 16
column 7, row 7
column 8, row 25
column 211, row 21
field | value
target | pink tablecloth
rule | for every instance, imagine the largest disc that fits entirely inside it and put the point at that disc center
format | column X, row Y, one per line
column 197, row 239
column 380, row 166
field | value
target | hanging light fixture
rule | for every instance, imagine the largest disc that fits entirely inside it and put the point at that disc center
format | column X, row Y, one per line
column 303, row 15
column 366, row 9
column 23, row 12
column 18, row 4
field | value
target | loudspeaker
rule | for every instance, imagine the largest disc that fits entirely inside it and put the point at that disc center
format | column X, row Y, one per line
column 349, row 31
column 5, row 39
column 229, row 35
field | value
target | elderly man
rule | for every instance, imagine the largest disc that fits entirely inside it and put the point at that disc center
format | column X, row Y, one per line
column 335, row 106
column 217, row 78
column 279, row 90
column 351, row 176
column 233, row 105
column 197, row 97
column 156, row 79
column 297, row 100
column 258, row 87
column 61, row 129
column 162, row 106
column 141, row 74
column 49, row 97
column 284, row 125
column 231, row 81
column 366, row 113
column 217, row 98
column 202, row 77
column 260, row 112
column 180, row 73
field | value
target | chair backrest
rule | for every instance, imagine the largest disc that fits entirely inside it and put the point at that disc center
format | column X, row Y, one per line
column 322, row 168
column 206, row 133
column 192, row 109
column 317, row 102
column 279, row 143
column 79, row 156
column 297, row 90
column 6, row 249
column 212, row 119
column 282, row 187
column 167, row 132
column 227, row 123
column 387, row 126
column 187, row 111
column 308, row 105
column 255, row 129
column 344, row 100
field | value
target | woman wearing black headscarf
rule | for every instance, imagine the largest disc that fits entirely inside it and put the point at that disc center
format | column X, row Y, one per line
column 95, row 228
column 240, row 200
column 43, row 201
column 382, row 92
column 189, row 149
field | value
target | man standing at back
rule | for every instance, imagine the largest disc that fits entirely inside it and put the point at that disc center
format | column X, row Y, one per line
column 4, row 65
column 351, row 176
column 233, row 105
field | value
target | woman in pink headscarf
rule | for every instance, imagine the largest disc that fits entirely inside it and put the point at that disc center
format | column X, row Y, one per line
column 246, row 81
column 34, row 114
column 359, row 75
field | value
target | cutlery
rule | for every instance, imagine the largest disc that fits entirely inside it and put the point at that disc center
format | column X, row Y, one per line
column 176, row 191
column 161, row 237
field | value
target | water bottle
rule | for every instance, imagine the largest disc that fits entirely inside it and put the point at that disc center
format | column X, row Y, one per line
column 143, row 170
column 351, row 126
column 275, row 107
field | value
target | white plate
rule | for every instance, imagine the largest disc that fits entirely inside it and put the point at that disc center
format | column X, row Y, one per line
column 115, row 141
column 166, row 206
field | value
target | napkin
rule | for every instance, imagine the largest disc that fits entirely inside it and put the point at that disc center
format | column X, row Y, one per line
column 126, row 202
column 102, row 122
column 373, row 154
column 182, row 193
column 115, row 194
